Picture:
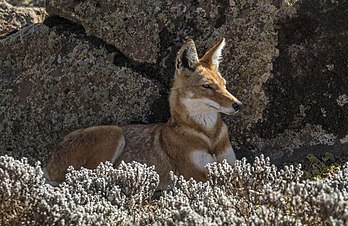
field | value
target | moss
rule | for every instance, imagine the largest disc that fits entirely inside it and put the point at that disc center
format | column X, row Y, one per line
column 320, row 167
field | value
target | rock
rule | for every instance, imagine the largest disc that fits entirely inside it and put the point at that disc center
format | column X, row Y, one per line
column 307, row 94
column 28, row 3
column 54, row 81
column 13, row 18
column 132, row 28
column 158, row 29
column 284, row 60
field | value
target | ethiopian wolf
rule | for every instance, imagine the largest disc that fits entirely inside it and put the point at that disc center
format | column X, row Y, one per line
column 194, row 136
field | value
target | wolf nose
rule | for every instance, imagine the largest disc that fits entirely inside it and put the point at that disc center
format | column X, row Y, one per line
column 237, row 106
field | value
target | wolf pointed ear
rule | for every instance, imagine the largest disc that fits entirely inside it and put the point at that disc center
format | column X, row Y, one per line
column 213, row 56
column 187, row 56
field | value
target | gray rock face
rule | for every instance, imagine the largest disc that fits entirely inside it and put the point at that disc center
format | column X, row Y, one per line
column 107, row 62
column 248, row 26
column 28, row 3
column 13, row 19
column 131, row 27
column 70, row 83
column 308, row 100
column 112, row 62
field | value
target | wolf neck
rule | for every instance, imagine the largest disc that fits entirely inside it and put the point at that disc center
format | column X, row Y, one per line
column 181, row 114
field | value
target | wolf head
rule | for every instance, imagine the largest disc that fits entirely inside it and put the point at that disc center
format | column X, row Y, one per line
column 199, row 83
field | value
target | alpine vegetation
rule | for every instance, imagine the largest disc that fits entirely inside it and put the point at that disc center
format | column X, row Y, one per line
column 245, row 193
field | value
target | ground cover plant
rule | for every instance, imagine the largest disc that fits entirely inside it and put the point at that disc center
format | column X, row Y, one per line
column 246, row 193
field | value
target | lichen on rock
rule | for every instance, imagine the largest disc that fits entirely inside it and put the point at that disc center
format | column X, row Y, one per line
column 309, row 80
column 153, row 33
column 48, row 92
column 130, row 27
column 13, row 18
column 112, row 62
column 28, row 3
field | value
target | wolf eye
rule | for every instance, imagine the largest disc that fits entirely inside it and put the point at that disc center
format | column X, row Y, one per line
column 207, row 86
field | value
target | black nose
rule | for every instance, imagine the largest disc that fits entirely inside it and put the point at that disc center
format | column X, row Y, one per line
column 237, row 106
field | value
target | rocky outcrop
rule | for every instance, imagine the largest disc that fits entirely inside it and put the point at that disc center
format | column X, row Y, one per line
column 28, row 3
column 13, row 19
column 70, row 83
column 106, row 62
column 308, row 100
column 281, row 113
column 101, row 62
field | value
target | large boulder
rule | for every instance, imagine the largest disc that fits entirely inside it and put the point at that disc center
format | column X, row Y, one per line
column 150, row 35
column 307, row 110
column 300, row 103
column 285, row 61
column 54, row 81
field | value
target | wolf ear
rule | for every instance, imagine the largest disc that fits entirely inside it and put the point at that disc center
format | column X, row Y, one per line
column 213, row 56
column 187, row 56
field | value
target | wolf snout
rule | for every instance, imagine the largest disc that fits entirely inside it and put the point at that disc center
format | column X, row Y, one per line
column 237, row 106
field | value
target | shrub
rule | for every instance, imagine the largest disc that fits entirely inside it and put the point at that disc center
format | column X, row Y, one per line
column 243, row 194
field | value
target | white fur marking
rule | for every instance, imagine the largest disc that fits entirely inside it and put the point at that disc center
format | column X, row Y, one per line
column 45, row 174
column 192, row 55
column 119, row 150
column 48, row 179
column 229, row 155
column 208, row 120
column 226, row 110
column 202, row 112
column 201, row 158
column 216, row 57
